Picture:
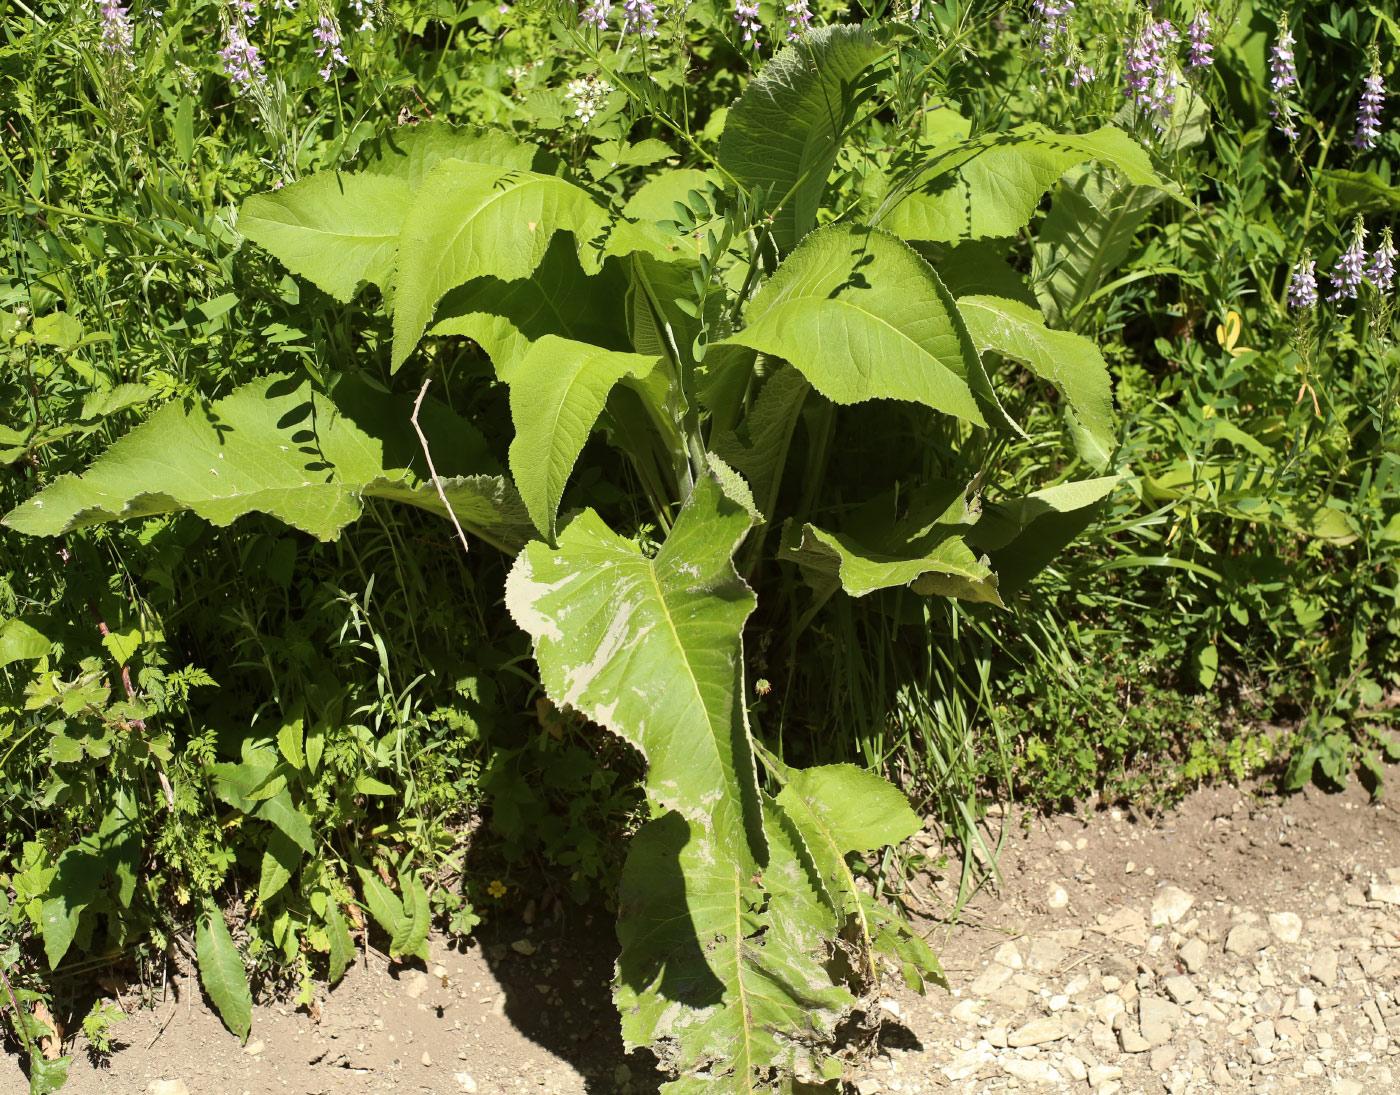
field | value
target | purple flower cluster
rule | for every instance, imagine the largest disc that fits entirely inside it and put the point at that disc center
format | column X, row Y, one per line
column 1198, row 47
column 1381, row 270
column 1082, row 74
column 327, row 32
column 799, row 19
column 639, row 17
column 1302, row 287
column 116, row 29
column 1152, row 77
column 1051, row 22
column 1368, row 113
column 596, row 14
column 242, row 63
column 1350, row 270
column 746, row 15
column 1283, row 77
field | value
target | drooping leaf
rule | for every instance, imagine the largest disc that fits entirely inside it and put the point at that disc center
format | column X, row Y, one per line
column 976, row 267
column 505, row 317
column 336, row 230
column 1022, row 535
column 72, row 889
column 557, row 391
column 280, row 812
column 1092, row 220
column 925, row 549
column 386, row 907
column 720, row 987
column 991, row 185
column 472, row 221
column 45, row 1076
column 280, row 860
column 412, row 935
column 650, row 648
column 784, row 131
column 1070, row 362
column 342, row 946
column 222, row 974
column 863, row 316
column 281, row 447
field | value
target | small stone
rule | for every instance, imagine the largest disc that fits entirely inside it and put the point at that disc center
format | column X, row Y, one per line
column 427, row 1060
column 1161, row 1058
column 970, row 1062
column 996, row 1036
column 1007, row 955
column 1037, row 1032
column 439, row 971
column 1045, row 955
column 1102, row 1074
column 1032, row 1072
column 1170, row 905
column 1193, row 954
column 1245, row 939
column 167, row 1087
column 1324, row 968
column 1389, row 894
column 990, row 979
column 1058, row 1002
column 1261, row 1056
column 1347, row 1087
column 1075, row 1068
column 524, row 946
column 1157, row 1019
column 1219, row 1074
column 967, row 1011
column 1058, row 899
column 1112, row 984
column 466, row 1083
column 1180, row 989
column 415, row 985
column 1264, row 1034
column 890, row 1006
column 1286, row 926
column 253, row 1048
column 868, row 1086
column 1132, row 1041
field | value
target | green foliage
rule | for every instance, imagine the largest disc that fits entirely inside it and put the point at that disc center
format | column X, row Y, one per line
column 221, row 973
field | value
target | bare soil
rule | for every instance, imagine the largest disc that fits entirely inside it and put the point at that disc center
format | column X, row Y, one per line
column 1086, row 970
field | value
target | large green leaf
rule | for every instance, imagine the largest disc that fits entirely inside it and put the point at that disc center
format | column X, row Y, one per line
column 342, row 946
column 719, row 973
column 281, row 447
column 72, row 889
column 991, row 185
column 281, row 813
column 863, row 316
column 471, row 220
column 505, row 317
column 650, row 648
column 337, row 231
column 557, row 391
column 783, row 133
column 222, row 974
column 1022, row 535
column 280, row 860
column 409, row 153
column 926, row 549
column 1092, row 220
column 1070, row 362
column 21, row 642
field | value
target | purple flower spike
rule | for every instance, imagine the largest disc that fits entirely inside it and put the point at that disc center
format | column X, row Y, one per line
column 799, row 19
column 1152, row 81
column 1368, row 113
column 596, row 14
column 1051, row 22
column 1350, row 270
column 746, row 15
column 1302, row 289
column 242, row 63
column 1283, row 78
column 1198, row 47
column 327, row 32
column 116, row 29
column 639, row 17
column 1381, row 271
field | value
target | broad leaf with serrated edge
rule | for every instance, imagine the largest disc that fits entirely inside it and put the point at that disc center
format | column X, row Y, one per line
column 557, row 391
column 926, row 549
column 282, row 813
column 478, row 220
column 279, row 446
column 863, row 316
column 337, row 231
column 991, row 185
column 342, row 947
column 280, row 860
column 783, row 133
column 1070, row 362
column 222, row 974
column 409, row 153
column 385, row 906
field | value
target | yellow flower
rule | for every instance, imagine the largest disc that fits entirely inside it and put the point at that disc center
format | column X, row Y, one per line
column 497, row 888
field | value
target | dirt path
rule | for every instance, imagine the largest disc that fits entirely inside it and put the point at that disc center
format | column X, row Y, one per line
column 1233, row 945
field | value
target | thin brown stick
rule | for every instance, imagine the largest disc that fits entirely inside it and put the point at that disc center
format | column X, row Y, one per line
column 442, row 494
